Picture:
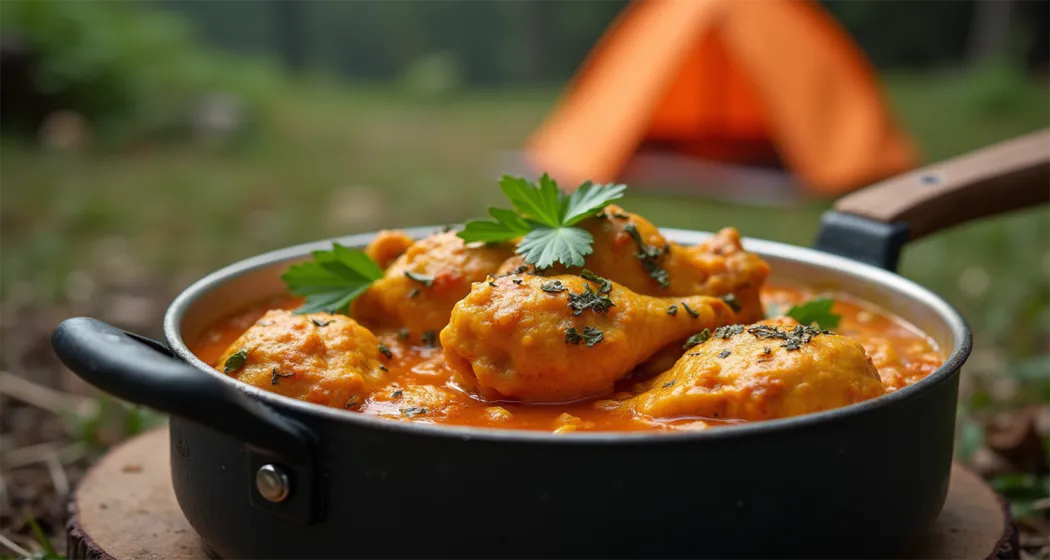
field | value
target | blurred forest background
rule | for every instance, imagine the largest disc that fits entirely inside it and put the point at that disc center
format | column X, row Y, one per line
column 146, row 143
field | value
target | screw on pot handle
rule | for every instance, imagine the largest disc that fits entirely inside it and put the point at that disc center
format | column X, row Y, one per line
column 873, row 224
column 133, row 368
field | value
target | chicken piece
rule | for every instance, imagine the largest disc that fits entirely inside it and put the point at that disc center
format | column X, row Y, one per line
column 561, row 338
column 717, row 267
column 630, row 250
column 773, row 369
column 320, row 358
column 388, row 245
column 420, row 287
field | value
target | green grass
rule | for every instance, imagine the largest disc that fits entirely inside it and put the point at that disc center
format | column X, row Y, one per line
column 338, row 160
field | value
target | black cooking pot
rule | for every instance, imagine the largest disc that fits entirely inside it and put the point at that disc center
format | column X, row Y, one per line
column 259, row 475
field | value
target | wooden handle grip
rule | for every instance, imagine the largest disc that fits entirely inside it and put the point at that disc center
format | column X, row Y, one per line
column 1003, row 177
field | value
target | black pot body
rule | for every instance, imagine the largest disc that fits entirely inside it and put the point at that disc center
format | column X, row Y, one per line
column 858, row 486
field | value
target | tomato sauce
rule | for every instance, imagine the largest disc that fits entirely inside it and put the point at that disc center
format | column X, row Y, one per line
column 901, row 353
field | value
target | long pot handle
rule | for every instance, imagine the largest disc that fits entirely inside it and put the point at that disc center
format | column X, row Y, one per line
column 873, row 224
column 133, row 368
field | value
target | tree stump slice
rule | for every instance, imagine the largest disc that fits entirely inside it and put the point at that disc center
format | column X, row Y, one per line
column 125, row 509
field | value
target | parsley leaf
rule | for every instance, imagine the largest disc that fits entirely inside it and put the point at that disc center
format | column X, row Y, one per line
column 332, row 279
column 589, row 199
column 544, row 246
column 817, row 310
column 544, row 217
column 508, row 225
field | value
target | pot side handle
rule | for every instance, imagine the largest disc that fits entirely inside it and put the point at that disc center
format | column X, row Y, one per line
column 873, row 224
column 134, row 368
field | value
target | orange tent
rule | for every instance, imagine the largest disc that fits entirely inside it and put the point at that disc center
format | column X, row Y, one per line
column 743, row 82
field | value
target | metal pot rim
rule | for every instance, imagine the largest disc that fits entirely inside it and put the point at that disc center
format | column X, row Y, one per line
column 962, row 343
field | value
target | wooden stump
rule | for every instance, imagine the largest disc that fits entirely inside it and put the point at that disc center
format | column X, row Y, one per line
column 125, row 509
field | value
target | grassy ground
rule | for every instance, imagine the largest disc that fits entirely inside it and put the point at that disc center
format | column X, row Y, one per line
column 117, row 235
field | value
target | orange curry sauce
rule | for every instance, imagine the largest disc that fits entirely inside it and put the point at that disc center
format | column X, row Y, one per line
column 902, row 354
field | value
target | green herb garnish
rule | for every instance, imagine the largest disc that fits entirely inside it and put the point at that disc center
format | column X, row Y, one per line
column 650, row 255
column 605, row 286
column 668, row 384
column 413, row 411
column 818, row 311
column 690, row 310
column 697, row 339
column 385, row 350
column 724, row 354
column 589, row 299
column 732, row 302
column 553, row 287
column 673, row 310
column 320, row 323
column 413, row 293
column 235, row 361
column 544, row 217
column 352, row 403
column 278, row 375
column 793, row 339
column 590, row 336
column 397, row 394
column 332, row 279
column 427, row 281
column 728, row 331
column 429, row 339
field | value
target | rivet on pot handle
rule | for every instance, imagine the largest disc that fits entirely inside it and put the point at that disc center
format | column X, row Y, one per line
column 873, row 224
column 138, row 370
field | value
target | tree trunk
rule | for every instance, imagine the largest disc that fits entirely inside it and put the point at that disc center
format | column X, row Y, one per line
column 290, row 19
column 990, row 30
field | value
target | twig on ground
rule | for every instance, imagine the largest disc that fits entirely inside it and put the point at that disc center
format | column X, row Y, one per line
column 59, row 480
column 14, row 547
column 43, row 397
column 4, row 496
column 41, row 452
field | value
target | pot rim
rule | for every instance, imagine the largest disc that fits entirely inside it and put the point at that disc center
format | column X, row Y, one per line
column 962, row 343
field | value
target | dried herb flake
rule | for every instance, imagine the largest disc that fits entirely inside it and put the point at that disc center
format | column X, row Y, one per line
column 690, row 310
column 385, row 350
column 427, row 281
column 320, row 323
column 673, row 310
column 590, row 336
column 278, row 375
column 589, row 299
column 728, row 331
column 732, row 302
column 413, row 411
column 651, row 256
column 552, row 287
column 605, row 286
column 697, row 339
